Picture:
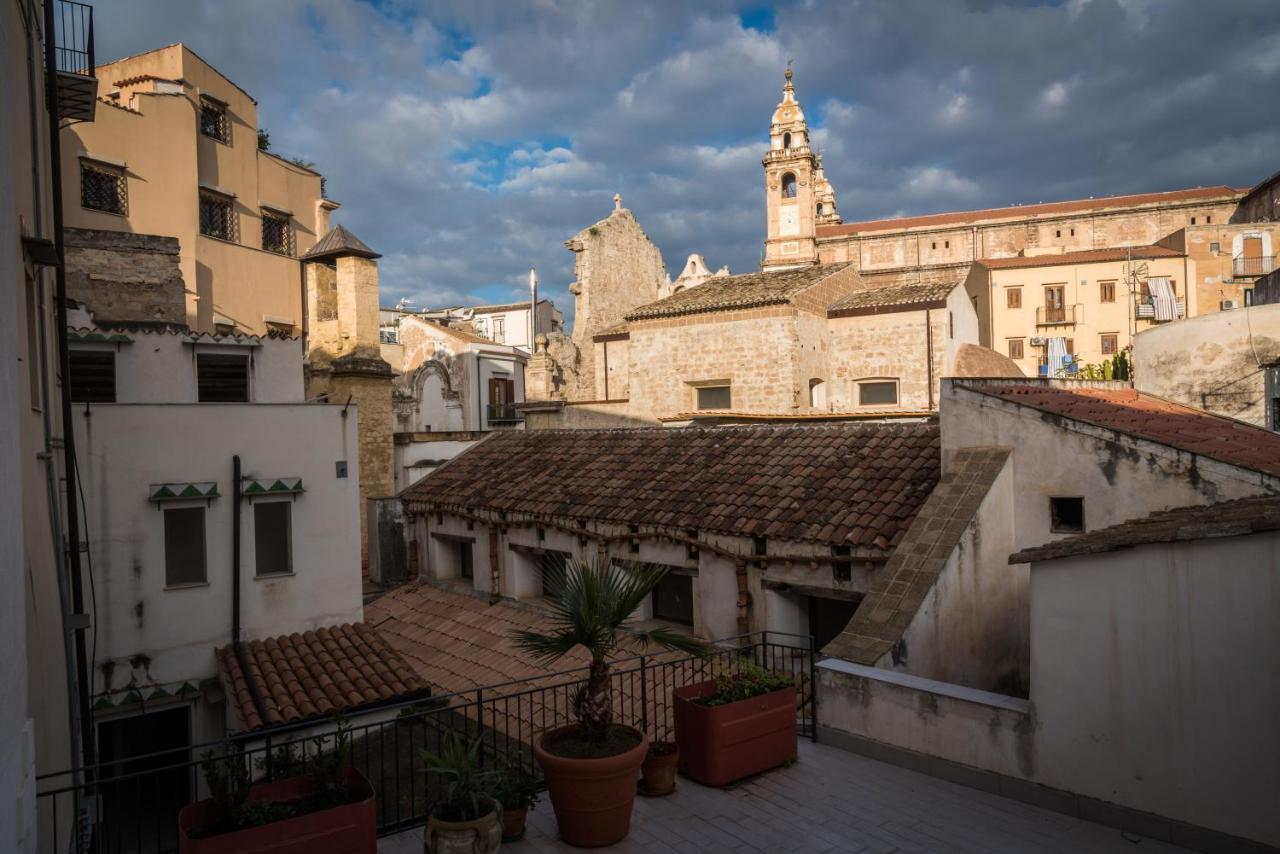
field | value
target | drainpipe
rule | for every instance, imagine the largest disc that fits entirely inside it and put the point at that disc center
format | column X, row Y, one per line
column 236, row 649
column 79, row 619
column 928, row 344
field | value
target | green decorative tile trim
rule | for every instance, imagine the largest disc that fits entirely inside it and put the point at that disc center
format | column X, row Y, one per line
column 183, row 491
column 132, row 696
column 271, row 486
column 96, row 337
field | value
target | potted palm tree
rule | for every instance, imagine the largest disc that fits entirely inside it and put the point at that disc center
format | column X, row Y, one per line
column 591, row 767
column 464, row 817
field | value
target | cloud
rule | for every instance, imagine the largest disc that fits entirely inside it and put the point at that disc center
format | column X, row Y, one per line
column 468, row 140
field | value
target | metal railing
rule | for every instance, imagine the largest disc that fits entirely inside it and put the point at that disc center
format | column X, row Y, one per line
column 498, row 412
column 1256, row 265
column 73, row 37
column 1055, row 316
column 132, row 805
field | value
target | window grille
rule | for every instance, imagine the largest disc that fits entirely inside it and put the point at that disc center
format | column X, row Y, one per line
column 277, row 236
column 103, row 189
column 1110, row 345
column 217, row 217
column 222, row 379
column 93, row 376
column 1016, row 348
column 213, row 121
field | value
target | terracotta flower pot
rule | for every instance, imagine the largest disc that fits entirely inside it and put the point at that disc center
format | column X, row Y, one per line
column 481, row 836
column 658, row 773
column 721, row 744
column 350, row 828
column 592, row 798
column 513, row 823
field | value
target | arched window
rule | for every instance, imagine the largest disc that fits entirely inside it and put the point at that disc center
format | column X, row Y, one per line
column 817, row 393
column 786, row 142
column 822, row 209
column 788, row 186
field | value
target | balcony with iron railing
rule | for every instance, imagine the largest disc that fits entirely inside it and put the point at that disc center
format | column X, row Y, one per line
column 503, row 413
column 74, row 60
column 1064, row 315
column 1146, row 309
column 1252, row 266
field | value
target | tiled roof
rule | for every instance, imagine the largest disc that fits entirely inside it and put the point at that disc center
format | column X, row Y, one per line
column 337, row 243
column 973, row 360
column 320, row 672
column 1087, row 256
column 1031, row 211
column 899, row 587
column 1228, row 519
column 1151, row 418
column 750, row 290
column 858, row 484
column 873, row 300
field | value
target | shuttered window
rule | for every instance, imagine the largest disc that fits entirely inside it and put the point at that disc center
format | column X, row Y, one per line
column 222, row 378
column 184, row 546
column 272, row 538
column 93, row 376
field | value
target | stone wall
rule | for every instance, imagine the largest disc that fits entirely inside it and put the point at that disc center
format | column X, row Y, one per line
column 1214, row 362
column 122, row 276
column 1262, row 204
column 894, row 346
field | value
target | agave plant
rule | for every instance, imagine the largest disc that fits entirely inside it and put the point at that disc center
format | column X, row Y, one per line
column 595, row 603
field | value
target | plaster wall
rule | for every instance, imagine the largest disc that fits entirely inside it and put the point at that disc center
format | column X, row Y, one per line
column 1214, row 362
column 124, row 448
column 1120, row 477
column 1141, row 690
column 588, row 414
column 1213, row 250
column 415, row 460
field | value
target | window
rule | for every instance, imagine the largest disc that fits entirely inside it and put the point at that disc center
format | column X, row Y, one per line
column 788, row 186
column 93, row 376
column 500, row 329
column 35, row 299
column 1247, row 292
column 1055, row 310
column 1110, row 345
column 1057, row 233
column 1013, row 297
column 934, row 245
column 277, row 236
column 553, row 566
column 1208, row 220
column 714, row 397
column 1066, row 515
column 213, row 120
column 946, row 244
column 842, row 570
column 184, row 546
column 1193, row 220
column 1016, row 348
column 272, row 538
column 103, row 189
column 1106, row 291
column 221, row 378
column 1073, row 232
column 877, row 392
column 218, row 217
column 672, row 599
column 466, row 562
column 786, row 140
column 1215, row 248
column 817, row 393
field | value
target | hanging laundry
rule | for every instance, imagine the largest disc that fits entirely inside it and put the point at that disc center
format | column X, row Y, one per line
column 1163, row 300
column 1056, row 355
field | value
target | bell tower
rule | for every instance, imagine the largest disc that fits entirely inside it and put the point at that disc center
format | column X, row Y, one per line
column 790, row 169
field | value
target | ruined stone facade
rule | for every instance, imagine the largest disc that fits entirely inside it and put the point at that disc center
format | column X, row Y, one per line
column 123, row 276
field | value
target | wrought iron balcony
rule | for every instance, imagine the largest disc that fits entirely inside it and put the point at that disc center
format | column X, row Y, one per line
column 1146, row 309
column 1249, row 267
column 74, row 61
column 1059, row 316
column 502, row 413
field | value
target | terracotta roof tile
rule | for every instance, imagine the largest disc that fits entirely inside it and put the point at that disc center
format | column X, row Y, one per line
column 802, row 480
column 1088, row 256
column 300, row 676
column 885, row 297
column 750, row 290
column 1227, row 519
column 1151, row 418
column 1031, row 211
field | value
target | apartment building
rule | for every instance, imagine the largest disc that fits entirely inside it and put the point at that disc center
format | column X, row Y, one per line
column 175, row 151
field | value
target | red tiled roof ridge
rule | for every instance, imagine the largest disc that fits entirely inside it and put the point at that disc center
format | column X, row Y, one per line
column 1083, row 256
column 1028, row 210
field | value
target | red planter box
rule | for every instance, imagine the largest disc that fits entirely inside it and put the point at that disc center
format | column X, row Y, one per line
column 348, row 829
column 720, row 744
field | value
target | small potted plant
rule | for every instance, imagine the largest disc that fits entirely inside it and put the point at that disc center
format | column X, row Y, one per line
column 658, row 773
column 518, row 793
column 595, row 755
column 736, row 725
column 464, row 817
column 323, row 805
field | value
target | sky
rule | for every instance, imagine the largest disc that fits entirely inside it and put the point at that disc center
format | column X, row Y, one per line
column 468, row 140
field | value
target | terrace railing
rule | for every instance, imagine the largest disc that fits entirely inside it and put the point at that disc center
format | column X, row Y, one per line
column 132, row 806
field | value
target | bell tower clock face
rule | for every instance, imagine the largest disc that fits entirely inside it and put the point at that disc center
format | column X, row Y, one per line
column 789, row 220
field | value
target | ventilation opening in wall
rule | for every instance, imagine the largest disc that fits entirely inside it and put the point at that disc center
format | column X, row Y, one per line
column 842, row 570
column 1066, row 515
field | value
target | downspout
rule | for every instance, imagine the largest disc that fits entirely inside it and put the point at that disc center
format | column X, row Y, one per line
column 236, row 648
column 928, row 344
column 48, row 455
column 480, row 425
column 606, row 369
column 495, row 574
column 79, row 618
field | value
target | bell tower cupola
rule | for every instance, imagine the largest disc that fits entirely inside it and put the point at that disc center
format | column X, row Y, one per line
column 791, row 177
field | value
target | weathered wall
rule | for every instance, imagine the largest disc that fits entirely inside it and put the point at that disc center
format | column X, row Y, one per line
column 1213, row 250
column 1121, row 477
column 588, row 414
column 1143, row 685
column 888, row 346
column 123, row 276
column 370, row 399
column 1263, row 204
column 1213, row 362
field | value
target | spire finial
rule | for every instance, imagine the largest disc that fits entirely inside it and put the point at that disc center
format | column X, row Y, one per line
column 787, row 74
column 617, row 201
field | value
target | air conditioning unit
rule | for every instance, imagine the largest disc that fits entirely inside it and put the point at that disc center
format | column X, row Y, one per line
column 1228, row 304
column 1037, row 341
